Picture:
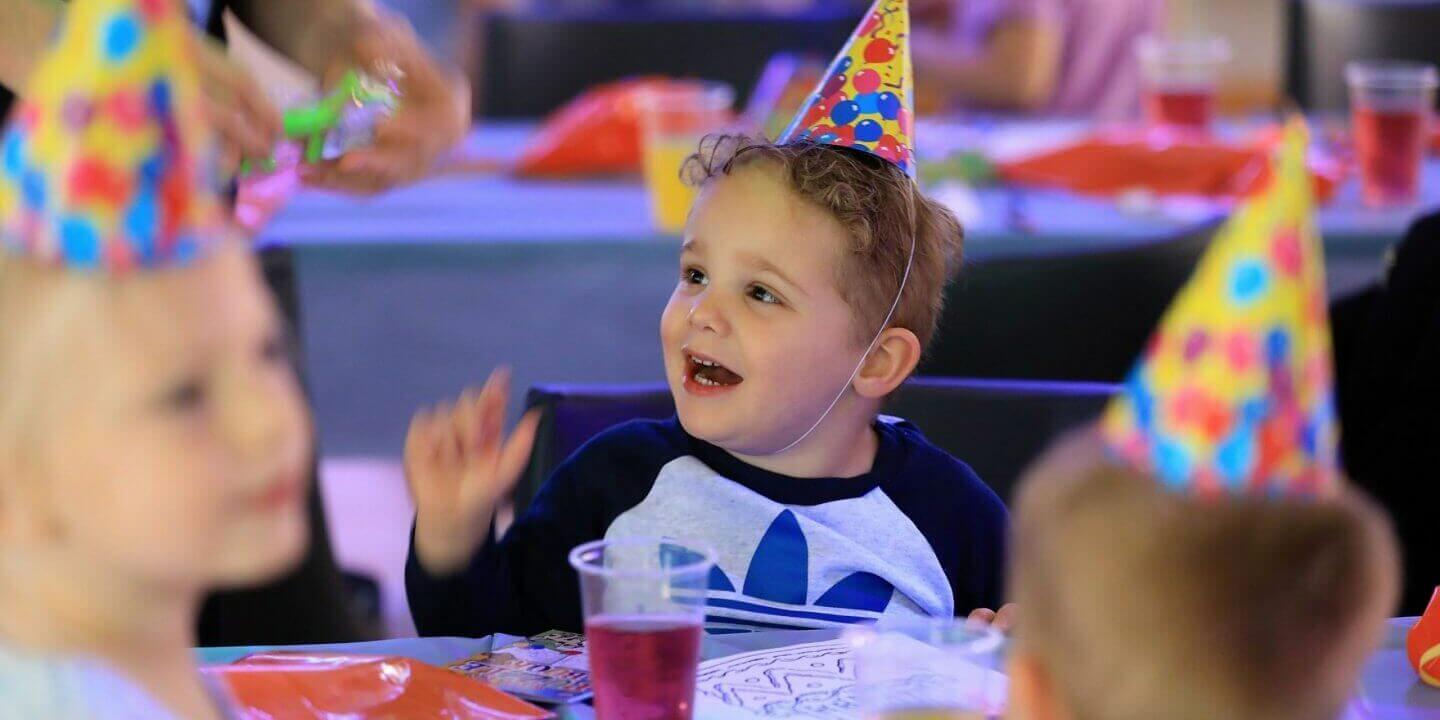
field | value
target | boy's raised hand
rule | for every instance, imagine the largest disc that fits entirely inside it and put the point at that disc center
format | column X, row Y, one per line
column 459, row 465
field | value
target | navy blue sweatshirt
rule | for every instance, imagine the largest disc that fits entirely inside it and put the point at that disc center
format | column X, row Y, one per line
column 919, row 534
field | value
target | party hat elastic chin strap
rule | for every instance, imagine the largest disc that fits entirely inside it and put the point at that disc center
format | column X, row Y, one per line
column 863, row 356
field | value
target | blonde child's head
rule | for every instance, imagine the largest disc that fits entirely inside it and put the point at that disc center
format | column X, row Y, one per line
column 793, row 257
column 1138, row 603
column 152, row 434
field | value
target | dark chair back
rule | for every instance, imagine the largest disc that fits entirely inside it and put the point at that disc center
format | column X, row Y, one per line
column 996, row 426
column 1326, row 34
column 529, row 64
column 1073, row 317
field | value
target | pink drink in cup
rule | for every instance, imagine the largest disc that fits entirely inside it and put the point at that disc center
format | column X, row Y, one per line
column 1179, row 77
column 644, row 606
column 1390, row 107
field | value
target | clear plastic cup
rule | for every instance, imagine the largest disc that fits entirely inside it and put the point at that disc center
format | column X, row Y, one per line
column 673, row 118
column 644, row 607
column 937, row 669
column 1391, row 104
column 1179, row 77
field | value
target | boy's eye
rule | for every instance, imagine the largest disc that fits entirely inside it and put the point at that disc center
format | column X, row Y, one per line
column 758, row 292
column 692, row 276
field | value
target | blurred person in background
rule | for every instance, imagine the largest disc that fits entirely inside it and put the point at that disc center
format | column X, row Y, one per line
column 1073, row 58
column 1387, row 349
column 325, row 37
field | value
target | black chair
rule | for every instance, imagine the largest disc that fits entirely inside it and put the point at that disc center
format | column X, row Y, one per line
column 997, row 426
column 1071, row 317
column 529, row 64
column 1326, row 34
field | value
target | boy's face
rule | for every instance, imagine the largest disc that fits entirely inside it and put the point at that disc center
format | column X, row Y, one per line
column 179, row 453
column 757, row 339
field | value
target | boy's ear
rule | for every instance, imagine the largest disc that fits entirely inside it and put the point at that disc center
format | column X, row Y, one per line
column 889, row 364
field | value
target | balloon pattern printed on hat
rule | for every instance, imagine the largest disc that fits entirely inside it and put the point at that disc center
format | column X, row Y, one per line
column 865, row 100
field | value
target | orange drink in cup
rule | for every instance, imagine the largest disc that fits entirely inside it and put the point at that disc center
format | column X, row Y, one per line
column 673, row 118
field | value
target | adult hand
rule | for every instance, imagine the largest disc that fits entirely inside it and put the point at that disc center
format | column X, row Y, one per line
column 247, row 123
column 433, row 115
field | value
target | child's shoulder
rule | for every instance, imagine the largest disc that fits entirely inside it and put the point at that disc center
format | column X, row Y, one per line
column 931, row 472
column 632, row 443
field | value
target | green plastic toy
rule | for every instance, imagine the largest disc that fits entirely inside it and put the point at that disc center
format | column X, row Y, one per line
column 350, row 110
column 969, row 167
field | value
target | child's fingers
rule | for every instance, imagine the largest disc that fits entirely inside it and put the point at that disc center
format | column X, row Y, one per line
column 516, row 453
column 501, row 376
column 1006, row 618
column 485, row 427
column 982, row 615
column 418, row 449
column 459, row 426
column 416, row 434
column 492, row 410
column 442, row 435
column 467, row 421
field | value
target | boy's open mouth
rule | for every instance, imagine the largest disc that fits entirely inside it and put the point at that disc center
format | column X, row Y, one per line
column 707, row 373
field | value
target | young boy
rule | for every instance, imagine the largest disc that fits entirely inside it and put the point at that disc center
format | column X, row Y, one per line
column 1137, row 603
column 798, row 309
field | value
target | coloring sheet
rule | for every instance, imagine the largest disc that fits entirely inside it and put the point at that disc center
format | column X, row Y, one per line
column 814, row 681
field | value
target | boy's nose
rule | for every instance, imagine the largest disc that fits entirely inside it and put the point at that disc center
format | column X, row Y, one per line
column 705, row 314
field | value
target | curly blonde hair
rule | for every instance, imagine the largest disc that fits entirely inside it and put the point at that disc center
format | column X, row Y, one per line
column 881, row 209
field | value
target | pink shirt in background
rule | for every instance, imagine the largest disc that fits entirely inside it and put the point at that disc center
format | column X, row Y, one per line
column 1098, row 76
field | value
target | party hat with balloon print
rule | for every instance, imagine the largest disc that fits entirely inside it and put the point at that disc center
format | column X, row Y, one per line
column 1234, row 394
column 107, row 163
column 865, row 100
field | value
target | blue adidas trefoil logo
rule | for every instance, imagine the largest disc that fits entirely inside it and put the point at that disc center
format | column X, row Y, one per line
column 779, row 573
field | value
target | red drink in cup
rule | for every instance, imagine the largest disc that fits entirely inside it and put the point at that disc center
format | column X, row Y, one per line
column 1179, row 76
column 1390, row 108
column 643, row 666
column 1191, row 108
column 644, row 605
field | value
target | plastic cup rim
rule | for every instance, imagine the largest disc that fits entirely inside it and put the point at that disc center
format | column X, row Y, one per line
column 985, row 637
column 1204, row 48
column 715, row 94
column 1391, row 75
column 703, row 565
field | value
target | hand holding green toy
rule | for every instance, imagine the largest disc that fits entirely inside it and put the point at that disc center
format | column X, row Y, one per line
column 341, row 121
